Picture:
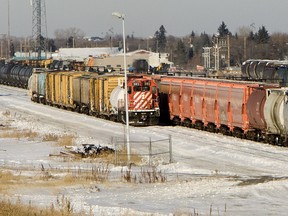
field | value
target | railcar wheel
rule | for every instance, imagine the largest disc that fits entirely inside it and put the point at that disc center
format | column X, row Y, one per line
column 187, row 123
column 85, row 110
column 113, row 118
column 211, row 128
column 224, row 130
column 176, row 121
column 199, row 125
column 250, row 135
column 77, row 109
column 285, row 143
column 271, row 139
column 237, row 132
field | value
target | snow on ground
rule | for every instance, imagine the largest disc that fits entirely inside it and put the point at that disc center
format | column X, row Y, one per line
column 210, row 175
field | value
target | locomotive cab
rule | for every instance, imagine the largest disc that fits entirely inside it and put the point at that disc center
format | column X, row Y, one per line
column 143, row 101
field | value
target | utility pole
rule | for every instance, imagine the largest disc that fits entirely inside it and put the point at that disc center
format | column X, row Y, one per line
column 8, row 36
column 228, row 52
column 245, row 47
column 216, row 54
column 206, row 57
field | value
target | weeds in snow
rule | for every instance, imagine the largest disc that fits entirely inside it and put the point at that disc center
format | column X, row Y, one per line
column 144, row 177
column 50, row 138
column 6, row 113
column 19, row 134
column 63, row 207
column 64, row 140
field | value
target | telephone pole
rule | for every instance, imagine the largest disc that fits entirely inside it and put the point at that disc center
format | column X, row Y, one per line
column 8, row 34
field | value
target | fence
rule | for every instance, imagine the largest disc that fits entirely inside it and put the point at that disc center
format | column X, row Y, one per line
column 154, row 150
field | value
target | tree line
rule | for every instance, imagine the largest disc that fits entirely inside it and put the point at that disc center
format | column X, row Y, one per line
column 185, row 52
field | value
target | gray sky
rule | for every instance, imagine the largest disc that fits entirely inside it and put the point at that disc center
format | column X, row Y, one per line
column 143, row 18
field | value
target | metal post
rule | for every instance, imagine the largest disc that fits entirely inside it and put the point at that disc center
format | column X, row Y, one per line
column 150, row 152
column 8, row 44
column 121, row 16
column 228, row 45
column 170, row 149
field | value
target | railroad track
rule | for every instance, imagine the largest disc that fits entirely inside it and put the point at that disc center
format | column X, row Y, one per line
column 248, row 147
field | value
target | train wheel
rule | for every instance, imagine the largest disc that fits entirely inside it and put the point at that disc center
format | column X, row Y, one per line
column 187, row 123
column 199, row 125
column 211, row 128
column 285, row 143
column 176, row 121
column 85, row 110
column 278, row 141
column 250, row 135
column 77, row 109
column 237, row 132
column 224, row 130
column 113, row 118
column 271, row 139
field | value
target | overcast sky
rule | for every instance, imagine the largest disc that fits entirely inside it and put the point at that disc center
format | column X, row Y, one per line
column 143, row 18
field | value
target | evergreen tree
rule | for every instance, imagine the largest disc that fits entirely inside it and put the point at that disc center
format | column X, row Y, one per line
column 156, row 45
column 51, row 45
column 223, row 30
column 192, row 34
column 251, row 36
column 181, row 54
column 262, row 36
column 12, row 49
column 160, row 39
column 70, row 42
column 205, row 40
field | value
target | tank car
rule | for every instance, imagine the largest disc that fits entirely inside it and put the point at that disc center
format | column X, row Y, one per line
column 15, row 75
column 267, row 109
column 270, row 71
column 275, row 114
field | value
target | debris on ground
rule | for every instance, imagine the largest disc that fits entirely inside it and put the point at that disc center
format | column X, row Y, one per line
column 88, row 150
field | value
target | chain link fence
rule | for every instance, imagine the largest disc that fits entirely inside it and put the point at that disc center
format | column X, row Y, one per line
column 153, row 151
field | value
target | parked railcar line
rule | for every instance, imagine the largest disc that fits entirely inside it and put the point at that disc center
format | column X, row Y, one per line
column 204, row 99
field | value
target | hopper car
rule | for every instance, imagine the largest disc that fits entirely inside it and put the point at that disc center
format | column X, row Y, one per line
column 252, row 110
column 98, row 95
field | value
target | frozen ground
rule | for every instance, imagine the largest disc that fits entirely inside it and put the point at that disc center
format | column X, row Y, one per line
column 210, row 175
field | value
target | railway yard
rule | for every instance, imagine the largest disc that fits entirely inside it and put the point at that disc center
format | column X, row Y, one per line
column 210, row 174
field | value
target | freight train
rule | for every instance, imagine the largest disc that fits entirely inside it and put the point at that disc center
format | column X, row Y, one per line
column 15, row 75
column 271, row 71
column 98, row 95
column 252, row 110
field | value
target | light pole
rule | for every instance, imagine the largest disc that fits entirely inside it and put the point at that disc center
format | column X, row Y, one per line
column 9, row 46
column 121, row 16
